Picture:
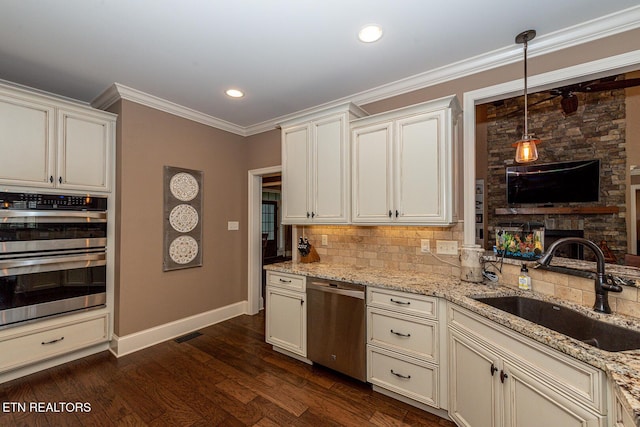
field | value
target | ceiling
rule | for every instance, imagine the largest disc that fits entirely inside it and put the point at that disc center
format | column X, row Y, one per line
column 286, row 55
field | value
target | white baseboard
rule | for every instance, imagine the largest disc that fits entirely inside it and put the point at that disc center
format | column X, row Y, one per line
column 121, row 346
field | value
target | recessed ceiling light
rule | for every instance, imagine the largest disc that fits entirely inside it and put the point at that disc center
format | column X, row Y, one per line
column 234, row 93
column 370, row 33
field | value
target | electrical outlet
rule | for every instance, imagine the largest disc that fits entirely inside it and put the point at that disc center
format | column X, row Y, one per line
column 425, row 247
column 447, row 247
column 325, row 240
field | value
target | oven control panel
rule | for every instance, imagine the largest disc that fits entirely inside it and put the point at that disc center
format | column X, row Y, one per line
column 37, row 201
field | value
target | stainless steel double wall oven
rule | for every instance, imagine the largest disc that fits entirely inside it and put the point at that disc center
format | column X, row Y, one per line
column 52, row 255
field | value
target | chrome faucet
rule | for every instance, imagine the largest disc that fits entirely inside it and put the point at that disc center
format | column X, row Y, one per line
column 602, row 285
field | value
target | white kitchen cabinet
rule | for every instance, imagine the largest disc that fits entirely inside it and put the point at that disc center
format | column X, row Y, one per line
column 85, row 140
column 405, row 165
column 286, row 312
column 24, row 345
column 316, row 167
column 500, row 378
column 403, row 348
column 51, row 143
column 622, row 417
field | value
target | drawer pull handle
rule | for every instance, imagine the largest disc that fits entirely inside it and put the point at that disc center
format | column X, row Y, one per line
column 400, row 334
column 400, row 302
column 285, row 281
column 52, row 341
column 404, row 377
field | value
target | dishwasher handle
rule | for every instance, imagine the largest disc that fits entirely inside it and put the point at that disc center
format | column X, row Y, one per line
column 335, row 289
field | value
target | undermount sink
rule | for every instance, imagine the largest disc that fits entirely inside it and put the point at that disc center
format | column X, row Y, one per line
column 568, row 322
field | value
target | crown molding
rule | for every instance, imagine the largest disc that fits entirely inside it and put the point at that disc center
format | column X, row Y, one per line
column 119, row 91
column 619, row 22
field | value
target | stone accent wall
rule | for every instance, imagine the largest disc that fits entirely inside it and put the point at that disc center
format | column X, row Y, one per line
column 595, row 131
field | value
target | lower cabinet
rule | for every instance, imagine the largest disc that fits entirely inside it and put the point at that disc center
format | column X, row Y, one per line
column 498, row 378
column 621, row 417
column 286, row 312
column 403, row 351
column 33, row 343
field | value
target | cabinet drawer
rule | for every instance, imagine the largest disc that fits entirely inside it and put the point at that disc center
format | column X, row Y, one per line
column 24, row 349
column 583, row 382
column 411, row 335
column 403, row 302
column 287, row 281
column 404, row 375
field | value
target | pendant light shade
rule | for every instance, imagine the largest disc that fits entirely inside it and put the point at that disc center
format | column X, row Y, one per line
column 526, row 150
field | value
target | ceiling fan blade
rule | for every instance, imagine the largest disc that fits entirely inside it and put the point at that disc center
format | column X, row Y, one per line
column 612, row 85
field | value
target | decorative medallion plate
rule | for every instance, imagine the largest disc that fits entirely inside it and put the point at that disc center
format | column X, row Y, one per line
column 184, row 186
column 183, row 218
column 183, row 249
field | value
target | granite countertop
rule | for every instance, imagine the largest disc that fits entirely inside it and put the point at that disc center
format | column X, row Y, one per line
column 623, row 368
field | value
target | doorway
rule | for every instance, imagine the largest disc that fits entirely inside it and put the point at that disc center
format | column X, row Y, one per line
column 268, row 240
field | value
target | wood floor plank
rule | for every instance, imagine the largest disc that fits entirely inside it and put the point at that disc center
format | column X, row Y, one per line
column 228, row 376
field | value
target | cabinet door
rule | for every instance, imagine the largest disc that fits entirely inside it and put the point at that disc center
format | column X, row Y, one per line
column 372, row 174
column 28, row 143
column 296, row 175
column 531, row 403
column 84, row 153
column 473, row 381
column 421, row 172
column 330, row 180
column 286, row 320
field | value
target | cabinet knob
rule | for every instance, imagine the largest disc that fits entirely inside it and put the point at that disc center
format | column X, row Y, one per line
column 60, row 179
column 51, row 179
column 503, row 376
column 397, row 213
column 308, row 214
column 493, row 369
column 313, row 214
column 390, row 214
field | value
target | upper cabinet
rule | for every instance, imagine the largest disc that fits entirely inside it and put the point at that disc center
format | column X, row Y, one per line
column 316, row 167
column 54, row 144
column 405, row 165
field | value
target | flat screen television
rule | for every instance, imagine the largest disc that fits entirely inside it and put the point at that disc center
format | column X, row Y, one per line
column 564, row 182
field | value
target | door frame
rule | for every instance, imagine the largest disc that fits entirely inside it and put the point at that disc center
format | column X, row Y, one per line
column 254, row 236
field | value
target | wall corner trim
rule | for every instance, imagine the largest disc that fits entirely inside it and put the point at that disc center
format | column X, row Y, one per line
column 127, row 344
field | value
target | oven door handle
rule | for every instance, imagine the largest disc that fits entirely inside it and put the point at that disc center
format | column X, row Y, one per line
column 53, row 216
column 38, row 265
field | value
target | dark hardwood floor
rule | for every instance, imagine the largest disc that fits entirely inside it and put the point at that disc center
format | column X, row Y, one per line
column 227, row 376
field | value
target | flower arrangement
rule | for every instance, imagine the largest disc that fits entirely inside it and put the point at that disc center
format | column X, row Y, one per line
column 518, row 244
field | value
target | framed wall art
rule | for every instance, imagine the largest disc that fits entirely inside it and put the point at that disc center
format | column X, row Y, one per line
column 182, row 218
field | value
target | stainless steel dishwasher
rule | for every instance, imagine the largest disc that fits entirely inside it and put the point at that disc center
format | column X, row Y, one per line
column 336, row 326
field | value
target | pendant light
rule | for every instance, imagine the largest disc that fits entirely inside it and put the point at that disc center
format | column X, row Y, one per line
column 526, row 150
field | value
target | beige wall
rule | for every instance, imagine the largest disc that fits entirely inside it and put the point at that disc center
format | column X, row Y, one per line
column 147, row 296
column 263, row 150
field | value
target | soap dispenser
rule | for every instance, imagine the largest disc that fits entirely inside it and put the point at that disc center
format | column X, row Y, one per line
column 524, row 280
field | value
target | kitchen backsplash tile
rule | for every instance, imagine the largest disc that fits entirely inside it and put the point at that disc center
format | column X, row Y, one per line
column 398, row 248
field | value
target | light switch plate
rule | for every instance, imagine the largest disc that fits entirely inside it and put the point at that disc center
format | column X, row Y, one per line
column 233, row 225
